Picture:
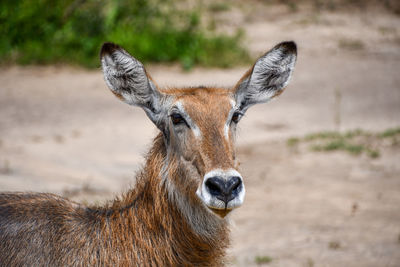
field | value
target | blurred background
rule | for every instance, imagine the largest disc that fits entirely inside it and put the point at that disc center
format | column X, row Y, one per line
column 321, row 163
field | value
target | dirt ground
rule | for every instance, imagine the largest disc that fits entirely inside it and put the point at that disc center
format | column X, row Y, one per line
column 62, row 131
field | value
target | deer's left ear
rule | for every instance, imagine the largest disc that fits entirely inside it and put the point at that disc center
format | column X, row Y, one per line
column 268, row 77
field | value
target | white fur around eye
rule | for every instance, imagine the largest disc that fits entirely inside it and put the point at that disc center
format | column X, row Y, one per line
column 192, row 125
column 228, row 123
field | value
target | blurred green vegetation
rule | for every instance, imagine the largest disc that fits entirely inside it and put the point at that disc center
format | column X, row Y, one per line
column 260, row 260
column 72, row 31
column 355, row 142
column 392, row 6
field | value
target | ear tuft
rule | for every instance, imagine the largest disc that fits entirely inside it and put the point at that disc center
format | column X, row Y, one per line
column 108, row 48
column 288, row 47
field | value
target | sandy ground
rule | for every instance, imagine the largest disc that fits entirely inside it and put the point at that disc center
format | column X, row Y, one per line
column 62, row 131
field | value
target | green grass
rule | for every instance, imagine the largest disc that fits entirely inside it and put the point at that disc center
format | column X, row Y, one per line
column 373, row 153
column 262, row 259
column 354, row 142
column 72, row 31
column 340, row 144
column 322, row 135
column 355, row 133
column 219, row 7
column 293, row 141
column 390, row 132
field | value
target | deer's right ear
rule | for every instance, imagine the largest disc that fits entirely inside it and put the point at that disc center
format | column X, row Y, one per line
column 128, row 80
column 268, row 77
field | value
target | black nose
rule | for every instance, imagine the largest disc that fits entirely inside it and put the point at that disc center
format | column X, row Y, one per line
column 224, row 189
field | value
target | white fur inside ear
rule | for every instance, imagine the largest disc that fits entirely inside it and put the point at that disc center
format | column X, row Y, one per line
column 127, row 77
column 271, row 74
column 121, row 71
column 273, row 70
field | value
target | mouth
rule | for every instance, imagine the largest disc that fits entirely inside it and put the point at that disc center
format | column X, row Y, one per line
column 221, row 212
column 219, row 207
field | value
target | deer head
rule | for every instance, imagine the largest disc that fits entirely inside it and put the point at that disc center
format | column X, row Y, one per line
column 199, row 124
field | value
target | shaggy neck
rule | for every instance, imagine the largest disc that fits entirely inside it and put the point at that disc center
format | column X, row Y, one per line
column 177, row 223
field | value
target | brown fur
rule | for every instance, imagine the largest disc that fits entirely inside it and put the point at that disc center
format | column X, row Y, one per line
column 142, row 228
column 163, row 220
column 209, row 108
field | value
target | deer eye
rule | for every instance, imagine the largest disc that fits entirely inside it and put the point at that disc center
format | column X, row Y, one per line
column 177, row 119
column 236, row 117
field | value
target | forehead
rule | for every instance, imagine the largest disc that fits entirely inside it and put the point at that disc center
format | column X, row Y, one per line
column 202, row 101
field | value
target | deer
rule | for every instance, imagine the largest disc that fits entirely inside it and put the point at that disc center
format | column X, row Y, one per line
column 177, row 213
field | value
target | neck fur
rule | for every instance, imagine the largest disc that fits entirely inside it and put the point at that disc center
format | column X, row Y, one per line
column 174, row 213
